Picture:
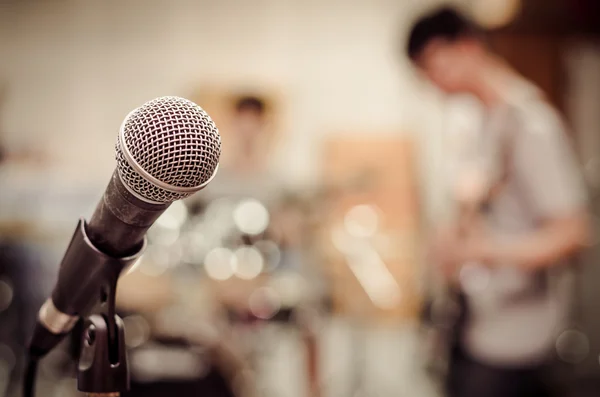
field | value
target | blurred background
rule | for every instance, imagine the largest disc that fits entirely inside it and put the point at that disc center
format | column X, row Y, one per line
column 299, row 271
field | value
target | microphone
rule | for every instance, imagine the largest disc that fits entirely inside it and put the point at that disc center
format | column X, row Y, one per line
column 166, row 150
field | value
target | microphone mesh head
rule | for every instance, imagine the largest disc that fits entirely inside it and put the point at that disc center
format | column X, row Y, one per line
column 167, row 149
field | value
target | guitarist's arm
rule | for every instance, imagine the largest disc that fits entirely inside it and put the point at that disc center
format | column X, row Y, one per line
column 556, row 238
column 550, row 180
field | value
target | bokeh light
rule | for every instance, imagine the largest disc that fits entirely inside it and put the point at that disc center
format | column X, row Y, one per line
column 158, row 260
column 249, row 262
column 494, row 14
column 474, row 278
column 362, row 221
column 251, row 217
column 137, row 331
column 572, row 346
column 265, row 303
column 174, row 217
column 220, row 263
column 291, row 287
column 6, row 295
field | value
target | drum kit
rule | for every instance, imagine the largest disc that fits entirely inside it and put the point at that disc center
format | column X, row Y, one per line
column 214, row 274
column 217, row 274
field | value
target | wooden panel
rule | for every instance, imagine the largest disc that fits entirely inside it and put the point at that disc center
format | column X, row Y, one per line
column 392, row 190
column 538, row 58
column 557, row 17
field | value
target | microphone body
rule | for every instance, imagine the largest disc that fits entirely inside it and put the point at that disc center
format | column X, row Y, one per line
column 121, row 220
column 114, row 238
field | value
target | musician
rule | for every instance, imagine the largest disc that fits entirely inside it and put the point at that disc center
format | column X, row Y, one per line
column 232, row 323
column 523, row 214
column 248, row 172
column 245, row 169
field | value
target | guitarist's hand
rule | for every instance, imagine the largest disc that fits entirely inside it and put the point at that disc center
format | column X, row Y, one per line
column 452, row 247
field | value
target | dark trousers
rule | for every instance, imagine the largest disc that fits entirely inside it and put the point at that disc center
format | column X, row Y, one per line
column 470, row 378
column 213, row 385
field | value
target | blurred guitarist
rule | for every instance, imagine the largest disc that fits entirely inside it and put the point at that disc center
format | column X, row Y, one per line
column 523, row 215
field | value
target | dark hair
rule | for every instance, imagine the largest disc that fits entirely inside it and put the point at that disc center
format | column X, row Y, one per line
column 250, row 103
column 444, row 23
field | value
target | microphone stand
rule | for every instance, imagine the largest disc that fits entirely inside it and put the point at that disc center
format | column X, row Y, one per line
column 102, row 370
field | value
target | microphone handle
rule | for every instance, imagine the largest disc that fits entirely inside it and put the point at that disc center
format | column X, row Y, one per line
column 121, row 220
column 114, row 238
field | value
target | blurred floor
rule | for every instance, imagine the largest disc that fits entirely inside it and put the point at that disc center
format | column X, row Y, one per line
column 354, row 362
column 375, row 363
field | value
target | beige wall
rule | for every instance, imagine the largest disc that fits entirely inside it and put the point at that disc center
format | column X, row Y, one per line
column 76, row 68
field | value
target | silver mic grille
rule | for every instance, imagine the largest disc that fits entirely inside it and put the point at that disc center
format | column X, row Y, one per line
column 167, row 149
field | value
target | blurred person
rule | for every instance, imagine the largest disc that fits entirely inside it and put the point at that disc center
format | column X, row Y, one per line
column 244, row 173
column 521, row 216
column 248, row 172
column 240, row 344
column 245, row 169
column 249, row 121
